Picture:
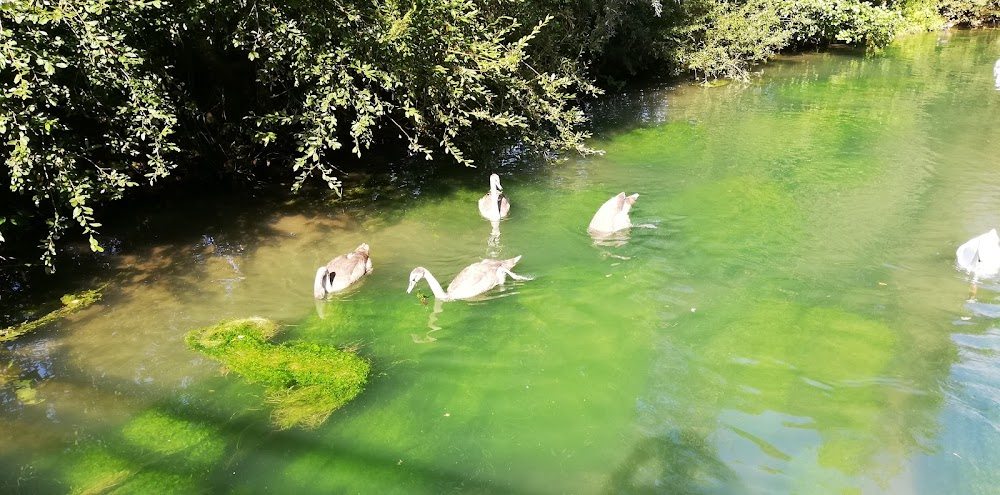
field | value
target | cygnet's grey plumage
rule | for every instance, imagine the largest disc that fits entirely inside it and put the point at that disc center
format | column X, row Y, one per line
column 494, row 205
column 342, row 271
column 475, row 279
column 996, row 74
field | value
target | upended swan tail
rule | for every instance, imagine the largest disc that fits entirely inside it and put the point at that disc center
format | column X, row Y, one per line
column 503, row 271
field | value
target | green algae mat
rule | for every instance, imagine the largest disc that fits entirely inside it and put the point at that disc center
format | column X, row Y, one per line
column 305, row 382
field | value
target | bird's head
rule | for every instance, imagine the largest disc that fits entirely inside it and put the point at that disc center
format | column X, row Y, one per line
column 495, row 182
column 319, row 286
column 415, row 276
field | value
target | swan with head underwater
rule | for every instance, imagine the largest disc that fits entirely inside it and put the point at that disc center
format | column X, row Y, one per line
column 475, row 279
column 612, row 216
column 342, row 271
column 980, row 257
column 996, row 74
column 494, row 205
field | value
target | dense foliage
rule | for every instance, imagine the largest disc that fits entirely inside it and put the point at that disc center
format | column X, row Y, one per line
column 83, row 115
column 973, row 13
column 101, row 96
column 98, row 97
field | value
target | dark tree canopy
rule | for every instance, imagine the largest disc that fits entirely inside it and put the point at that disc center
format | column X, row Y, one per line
column 102, row 97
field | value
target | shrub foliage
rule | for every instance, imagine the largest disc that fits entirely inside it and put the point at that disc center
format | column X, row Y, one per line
column 100, row 97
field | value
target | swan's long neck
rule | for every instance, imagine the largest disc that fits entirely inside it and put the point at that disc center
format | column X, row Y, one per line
column 495, row 199
column 319, row 287
column 436, row 287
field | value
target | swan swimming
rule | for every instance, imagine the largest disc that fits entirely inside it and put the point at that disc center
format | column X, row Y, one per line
column 494, row 205
column 342, row 271
column 475, row 279
column 980, row 256
column 996, row 74
column 612, row 216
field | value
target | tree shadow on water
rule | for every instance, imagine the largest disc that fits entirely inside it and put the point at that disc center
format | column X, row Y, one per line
column 182, row 235
column 677, row 462
column 212, row 440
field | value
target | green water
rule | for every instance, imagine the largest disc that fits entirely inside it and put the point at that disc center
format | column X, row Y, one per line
column 794, row 323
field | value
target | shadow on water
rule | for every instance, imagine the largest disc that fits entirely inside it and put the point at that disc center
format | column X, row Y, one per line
column 165, row 254
column 223, row 222
column 676, row 462
column 622, row 112
column 195, row 442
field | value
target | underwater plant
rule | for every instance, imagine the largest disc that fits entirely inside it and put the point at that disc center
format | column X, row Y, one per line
column 305, row 382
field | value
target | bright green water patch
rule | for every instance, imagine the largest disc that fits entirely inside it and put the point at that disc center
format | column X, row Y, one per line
column 95, row 470
column 305, row 382
column 681, row 141
column 738, row 225
column 165, row 435
column 811, row 362
column 157, row 452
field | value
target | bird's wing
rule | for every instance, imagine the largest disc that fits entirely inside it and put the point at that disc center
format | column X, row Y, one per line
column 474, row 279
column 343, row 269
column 484, row 206
column 361, row 267
column 504, row 205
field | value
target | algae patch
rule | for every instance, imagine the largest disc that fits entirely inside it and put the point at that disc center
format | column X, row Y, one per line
column 71, row 304
column 162, row 435
column 305, row 382
column 159, row 451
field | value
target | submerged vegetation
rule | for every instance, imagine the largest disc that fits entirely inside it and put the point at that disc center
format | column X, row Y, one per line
column 71, row 303
column 305, row 382
column 153, row 439
column 102, row 97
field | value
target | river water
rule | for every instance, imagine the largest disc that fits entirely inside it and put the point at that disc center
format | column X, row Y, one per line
column 791, row 319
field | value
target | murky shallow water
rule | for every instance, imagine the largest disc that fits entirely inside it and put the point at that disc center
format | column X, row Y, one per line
column 794, row 322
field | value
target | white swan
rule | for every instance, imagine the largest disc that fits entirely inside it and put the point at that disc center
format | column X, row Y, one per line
column 342, row 271
column 612, row 216
column 494, row 205
column 473, row 280
column 996, row 74
column 980, row 256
